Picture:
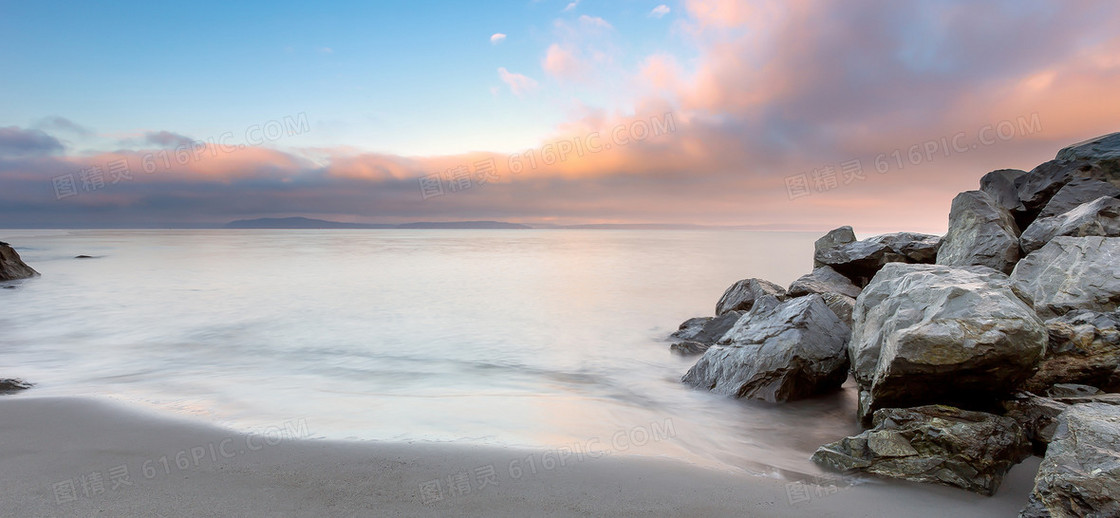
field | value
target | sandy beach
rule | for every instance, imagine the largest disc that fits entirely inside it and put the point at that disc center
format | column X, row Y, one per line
column 95, row 457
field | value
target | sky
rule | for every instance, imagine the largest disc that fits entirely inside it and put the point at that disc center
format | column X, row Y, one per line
column 786, row 115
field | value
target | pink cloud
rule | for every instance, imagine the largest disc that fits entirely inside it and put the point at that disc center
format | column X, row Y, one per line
column 519, row 84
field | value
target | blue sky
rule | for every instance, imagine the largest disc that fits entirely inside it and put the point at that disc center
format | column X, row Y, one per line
column 397, row 77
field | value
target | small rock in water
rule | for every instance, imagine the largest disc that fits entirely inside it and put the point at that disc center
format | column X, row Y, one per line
column 83, row 257
column 8, row 386
column 689, row 348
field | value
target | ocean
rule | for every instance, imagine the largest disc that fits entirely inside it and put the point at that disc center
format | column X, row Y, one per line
column 553, row 339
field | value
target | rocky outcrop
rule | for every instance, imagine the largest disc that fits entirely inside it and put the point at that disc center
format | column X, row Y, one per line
column 823, row 280
column 781, row 352
column 1080, row 475
column 834, row 238
column 1070, row 273
column 1075, row 193
column 1000, row 185
column 913, row 246
column 1100, row 217
column 9, row 386
column 1043, row 182
column 1101, row 152
column 707, row 330
column 980, row 233
column 940, row 444
column 11, row 266
column 1084, row 347
column 741, row 295
column 937, row 334
column 860, row 260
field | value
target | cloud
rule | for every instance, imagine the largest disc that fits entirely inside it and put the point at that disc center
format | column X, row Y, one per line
column 497, row 38
column 571, row 6
column 561, row 63
column 325, row 50
column 17, row 142
column 594, row 22
column 167, row 139
column 56, row 123
column 766, row 90
column 519, row 84
column 660, row 11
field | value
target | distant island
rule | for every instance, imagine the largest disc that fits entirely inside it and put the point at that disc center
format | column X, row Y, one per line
column 309, row 223
column 312, row 223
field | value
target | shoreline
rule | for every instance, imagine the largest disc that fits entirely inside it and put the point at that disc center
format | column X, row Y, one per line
column 88, row 455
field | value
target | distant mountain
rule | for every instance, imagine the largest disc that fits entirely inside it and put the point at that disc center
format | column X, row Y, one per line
column 309, row 223
column 465, row 225
column 297, row 223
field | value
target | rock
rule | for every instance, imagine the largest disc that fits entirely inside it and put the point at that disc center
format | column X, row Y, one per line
column 860, row 260
column 1080, row 475
column 741, row 295
column 841, row 305
column 936, row 334
column 1038, row 416
column 1043, row 182
column 980, row 233
column 1070, row 273
column 689, row 348
column 11, row 266
column 707, row 330
column 1075, row 193
column 935, row 443
column 782, row 352
column 1072, row 390
column 1084, row 347
column 1102, row 152
column 915, row 247
column 83, row 257
column 823, row 280
column 1100, row 217
column 834, row 238
column 1000, row 185
column 8, row 386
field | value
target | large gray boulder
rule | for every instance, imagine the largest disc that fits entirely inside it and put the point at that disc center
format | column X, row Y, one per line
column 914, row 246
column 1100, row 217
column 707, row 330
column 860, row 260
column 1070, row 273
column 936, row 443
column 1037, row 187
column 1000, row 185
column 1080, row 475
column 980, row 233
column 834, row 238
column 1084, row 347
column 1075, row 193
column 1102, row 152
column 937, row 334
column 741, row 295
column 11, row 266
column 782, row 352
column 823, row 280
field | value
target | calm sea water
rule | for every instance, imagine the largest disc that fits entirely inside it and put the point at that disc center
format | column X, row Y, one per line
column 551, row 338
